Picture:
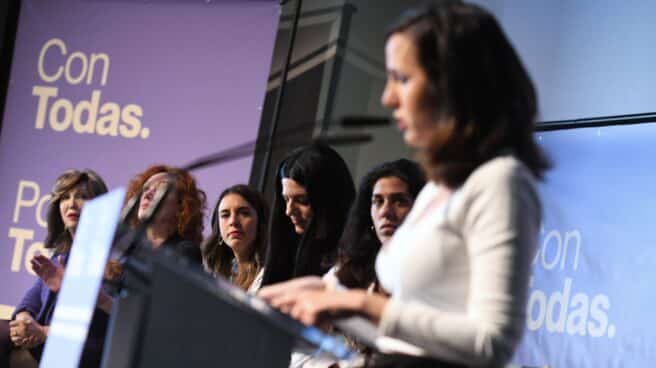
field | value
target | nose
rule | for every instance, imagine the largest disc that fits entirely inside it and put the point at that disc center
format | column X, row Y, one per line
column 389, row 98
column 387, row 211
column 66, row 202
column 289, row 208
column 148, row 193
column 233, row 220
column 75, row 204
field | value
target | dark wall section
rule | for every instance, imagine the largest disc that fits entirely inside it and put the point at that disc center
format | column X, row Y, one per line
column 311, row 72
column 8, row 23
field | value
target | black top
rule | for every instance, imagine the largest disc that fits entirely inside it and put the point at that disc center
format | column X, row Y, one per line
column 183, row 247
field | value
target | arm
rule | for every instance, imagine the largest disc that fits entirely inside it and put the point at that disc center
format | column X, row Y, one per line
column 312, row 306
column 283, row 295
column 104, row 302
column 499, row 225
column 30, row 305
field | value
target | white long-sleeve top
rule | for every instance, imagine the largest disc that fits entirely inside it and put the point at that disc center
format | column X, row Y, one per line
column 458, row 272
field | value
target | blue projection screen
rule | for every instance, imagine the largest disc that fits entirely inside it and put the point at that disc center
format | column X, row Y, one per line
column 593, row 275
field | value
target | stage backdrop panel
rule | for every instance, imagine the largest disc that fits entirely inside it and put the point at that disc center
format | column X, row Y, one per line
column 592, row 285
column 116, row 86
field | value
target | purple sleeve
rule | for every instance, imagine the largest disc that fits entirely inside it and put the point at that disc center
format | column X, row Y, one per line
column 31, row 300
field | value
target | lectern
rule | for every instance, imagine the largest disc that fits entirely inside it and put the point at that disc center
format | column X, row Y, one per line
column 172, row 314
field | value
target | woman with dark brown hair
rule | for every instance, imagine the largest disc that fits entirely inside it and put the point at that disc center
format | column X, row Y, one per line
column 178, row 223
column 458, row 268
column 28, row 329
column 235, row 249
column 314, row 191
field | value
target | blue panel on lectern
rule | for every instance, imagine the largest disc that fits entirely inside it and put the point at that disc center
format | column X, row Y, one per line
column 84, row 271
column 591, row 297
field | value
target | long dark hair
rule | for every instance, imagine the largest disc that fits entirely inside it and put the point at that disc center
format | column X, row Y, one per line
column 218, row 256
column 90, row 183
column 485, row 100
column 359, row 243
column 327, row 180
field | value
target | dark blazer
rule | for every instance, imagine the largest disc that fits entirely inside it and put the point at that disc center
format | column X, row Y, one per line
column 40, row 302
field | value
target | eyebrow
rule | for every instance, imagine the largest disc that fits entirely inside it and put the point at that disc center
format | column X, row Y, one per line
column 238, row 209
column 394, row 73
column 395, row 194
column 294, row 195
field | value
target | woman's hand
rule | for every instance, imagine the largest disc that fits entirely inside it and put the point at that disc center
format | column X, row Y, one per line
column 52, row 274
column 104, row 301
column 312, row 307
column 282, row 295
column 25, row 332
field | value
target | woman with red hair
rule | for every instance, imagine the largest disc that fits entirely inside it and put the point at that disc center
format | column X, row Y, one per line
column 178, row 224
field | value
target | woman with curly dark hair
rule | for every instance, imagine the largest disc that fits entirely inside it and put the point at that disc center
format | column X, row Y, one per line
column 385, row 197
column 178, row 224
column 235, row 249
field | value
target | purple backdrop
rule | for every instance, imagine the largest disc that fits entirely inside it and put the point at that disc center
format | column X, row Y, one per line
column 116, row 86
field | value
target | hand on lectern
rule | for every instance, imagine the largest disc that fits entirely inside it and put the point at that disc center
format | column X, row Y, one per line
column 282, row 295
column 313, row 307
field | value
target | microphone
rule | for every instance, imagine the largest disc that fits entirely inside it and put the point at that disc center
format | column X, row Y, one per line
column 127, row 239
column 339, row 138
column 363, row 121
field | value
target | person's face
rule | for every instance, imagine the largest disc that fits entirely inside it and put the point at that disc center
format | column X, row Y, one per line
column 390, row 204
column 406, row 91
column 70, row 207
column 168, row 209
column 237, row 223
column 297, row 204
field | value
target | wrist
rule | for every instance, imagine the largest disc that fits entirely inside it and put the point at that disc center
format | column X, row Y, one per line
column 23, row 315
column 43, row 333
column 373, row 305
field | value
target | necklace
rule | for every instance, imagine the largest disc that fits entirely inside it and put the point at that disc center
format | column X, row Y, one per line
column 234, row 268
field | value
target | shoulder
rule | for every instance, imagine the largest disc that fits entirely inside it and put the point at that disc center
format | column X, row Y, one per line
column 500, row 186
column 504, row 173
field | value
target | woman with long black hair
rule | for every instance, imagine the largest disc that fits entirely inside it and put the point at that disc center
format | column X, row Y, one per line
column 314, row 191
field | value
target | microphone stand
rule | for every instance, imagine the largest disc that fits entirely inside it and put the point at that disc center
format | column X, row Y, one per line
column 281, row 93
column 248, row 148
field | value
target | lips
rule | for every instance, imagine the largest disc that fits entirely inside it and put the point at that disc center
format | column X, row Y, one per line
column 401, row 124
column 296, row 221
column 388, row 227
column 73, row 216
column 235, row 234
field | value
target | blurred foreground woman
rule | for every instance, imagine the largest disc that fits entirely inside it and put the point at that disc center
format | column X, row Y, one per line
column 458, row 268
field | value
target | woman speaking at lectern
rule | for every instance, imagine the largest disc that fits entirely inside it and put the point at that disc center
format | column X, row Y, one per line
column 458, row 268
